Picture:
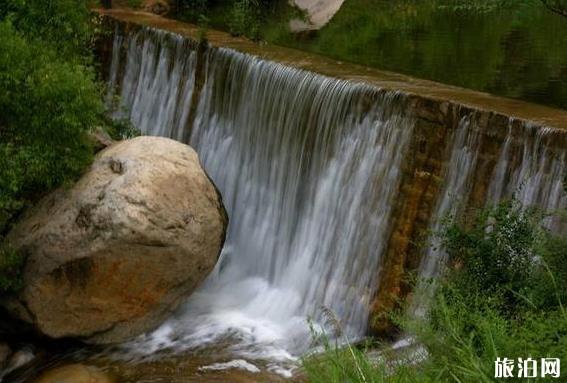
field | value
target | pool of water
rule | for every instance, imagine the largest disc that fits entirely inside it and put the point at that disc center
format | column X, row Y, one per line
column 515, row 49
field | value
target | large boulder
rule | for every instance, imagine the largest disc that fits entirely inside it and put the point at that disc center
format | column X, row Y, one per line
column 112, row 256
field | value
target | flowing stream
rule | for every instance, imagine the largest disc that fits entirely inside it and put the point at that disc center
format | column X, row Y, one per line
column 309, row 168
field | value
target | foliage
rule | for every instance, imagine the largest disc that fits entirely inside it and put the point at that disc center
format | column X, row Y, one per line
column 506, row 255
column 350, row 364
column 245, row 17
column 240, row 17
column 63, row 24
column 502, row 297
column 11, row 265
column 47, row 105
column 556, row 6
column 120, row 129
column 49, row 100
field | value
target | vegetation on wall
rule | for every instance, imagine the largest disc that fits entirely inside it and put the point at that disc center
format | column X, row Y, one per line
column 503, row 296
column 49, row 99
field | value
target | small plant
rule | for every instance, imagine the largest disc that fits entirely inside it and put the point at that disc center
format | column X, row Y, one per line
column 121, row 129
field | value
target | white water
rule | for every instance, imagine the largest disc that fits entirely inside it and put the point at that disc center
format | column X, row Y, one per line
column 158, row 83
column 527, row 169
column 308, row 167
column 456, row 186
column 531, row 171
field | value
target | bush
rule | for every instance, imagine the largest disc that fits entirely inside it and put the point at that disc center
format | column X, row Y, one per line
column 245, row 18
column 502, row 297
column 49, row 99
column 62, row 24
column 121, row 129
column 46, row 108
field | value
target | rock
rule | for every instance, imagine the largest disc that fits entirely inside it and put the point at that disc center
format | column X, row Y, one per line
column 75, row 373
column 5, row 352
column 112, row 256
column 159, row 7
column 101, row 139
column 18, row 359
column 319, row 13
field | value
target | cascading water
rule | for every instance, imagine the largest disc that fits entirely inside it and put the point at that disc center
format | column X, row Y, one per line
column 308, row 167
column 456, row 185
column 158, row 84
column 530, row 171
column 527, row 169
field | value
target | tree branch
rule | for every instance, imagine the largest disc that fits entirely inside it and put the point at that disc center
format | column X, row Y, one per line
column 554, row 8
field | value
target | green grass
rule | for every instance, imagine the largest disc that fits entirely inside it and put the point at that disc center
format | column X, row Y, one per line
column 503, row 296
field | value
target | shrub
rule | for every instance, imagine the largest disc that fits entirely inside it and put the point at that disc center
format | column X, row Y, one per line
column 62, row 24
column 502, row 297
column 245, row 18
column 46, row 107
column 49, row 99
column 120, row 129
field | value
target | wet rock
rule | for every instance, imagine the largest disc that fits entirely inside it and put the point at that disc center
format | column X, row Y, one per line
column 111, row 257
column 18, row 359
column 5, row 352
column 75, row 373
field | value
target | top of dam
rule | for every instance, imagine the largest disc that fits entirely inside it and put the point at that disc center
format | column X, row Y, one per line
column 539, row 114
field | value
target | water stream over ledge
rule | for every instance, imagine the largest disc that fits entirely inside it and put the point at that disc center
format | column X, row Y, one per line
column 310, row 168
column 327, row 183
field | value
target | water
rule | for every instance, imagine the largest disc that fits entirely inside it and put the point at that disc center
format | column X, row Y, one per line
column 528, row 169
column 168, row 73
column 515, row 49
column 308, row 167
column 531, row 172
column 457, row 183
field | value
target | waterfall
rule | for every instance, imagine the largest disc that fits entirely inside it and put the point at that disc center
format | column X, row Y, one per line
column 529, row 170
column 158, row 82
column 308, row 167
column 456, row 186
